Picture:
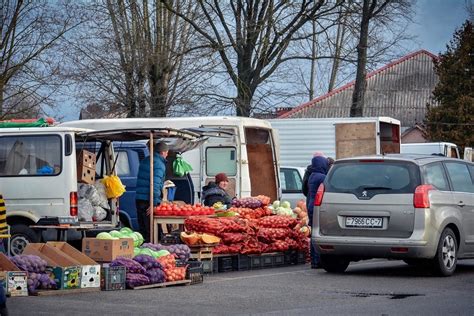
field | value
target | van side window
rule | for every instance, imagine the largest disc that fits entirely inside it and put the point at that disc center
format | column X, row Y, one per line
column 30, row 155
column 434, row 175
column 290, row 180
column 460, row 177
column 122, row 166
column 221, row 159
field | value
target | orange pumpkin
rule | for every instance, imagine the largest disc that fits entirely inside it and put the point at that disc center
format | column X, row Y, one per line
column 210, row 239
column 189, row 238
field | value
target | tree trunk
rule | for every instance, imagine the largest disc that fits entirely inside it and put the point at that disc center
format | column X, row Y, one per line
column 357, row 106
column 243, row 101
column 1, row 99
column 313, row 63
column 341, row 30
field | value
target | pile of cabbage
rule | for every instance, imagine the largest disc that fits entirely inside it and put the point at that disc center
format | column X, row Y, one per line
column 125, row 232
column 181, row 251
column 282, row 208
column 38, row 277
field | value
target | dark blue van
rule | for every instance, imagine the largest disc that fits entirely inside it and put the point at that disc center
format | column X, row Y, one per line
column 127, row 159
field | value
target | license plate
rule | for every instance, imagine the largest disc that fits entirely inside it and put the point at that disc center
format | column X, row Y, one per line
column 367, row 222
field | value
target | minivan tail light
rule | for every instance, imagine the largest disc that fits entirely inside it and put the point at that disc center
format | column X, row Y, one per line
column 319, row 195
column 73, row 203
column 421, row 198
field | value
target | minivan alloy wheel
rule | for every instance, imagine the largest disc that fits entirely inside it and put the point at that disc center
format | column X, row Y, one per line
column 445, row 260
column 449, row 251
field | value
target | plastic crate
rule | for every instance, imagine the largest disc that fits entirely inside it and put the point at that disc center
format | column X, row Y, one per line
column 225, row 264
column 243, row 262
column 208, row 266
column 291, row 257
column 301, row 257
column 171, row 239
column 267, row 260
column 255, row 262
column 279, row 259
column 112, row 278
column 195, row 272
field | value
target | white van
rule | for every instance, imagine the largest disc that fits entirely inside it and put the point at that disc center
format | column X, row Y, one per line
column 38, row 175
column 291, row 180
column 434, row 148
column 249, row 157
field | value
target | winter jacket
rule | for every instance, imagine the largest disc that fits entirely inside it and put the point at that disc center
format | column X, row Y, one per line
column 143, row 179
column 319, row 166
column 212, row 193
column 306, row 175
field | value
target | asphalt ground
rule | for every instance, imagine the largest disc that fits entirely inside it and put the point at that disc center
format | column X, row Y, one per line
column 375, row 287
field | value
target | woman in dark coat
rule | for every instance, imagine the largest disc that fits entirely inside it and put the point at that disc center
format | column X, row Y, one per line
column 216, row 191
column 319, row 166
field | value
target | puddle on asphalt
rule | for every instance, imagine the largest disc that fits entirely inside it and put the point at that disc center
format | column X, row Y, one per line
column 392, row 296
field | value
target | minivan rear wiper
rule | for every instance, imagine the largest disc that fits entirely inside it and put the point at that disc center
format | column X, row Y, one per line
column 377, row 188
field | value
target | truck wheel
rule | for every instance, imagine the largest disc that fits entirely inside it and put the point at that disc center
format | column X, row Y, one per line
column 334, row 264
column 21, row 235
column 445, row 260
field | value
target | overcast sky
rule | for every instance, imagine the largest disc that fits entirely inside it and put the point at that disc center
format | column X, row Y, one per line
column 435, row 22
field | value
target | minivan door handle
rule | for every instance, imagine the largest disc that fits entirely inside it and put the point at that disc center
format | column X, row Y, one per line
column 461, row 203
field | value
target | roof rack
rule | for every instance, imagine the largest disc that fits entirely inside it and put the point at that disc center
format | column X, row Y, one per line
column 41, row 122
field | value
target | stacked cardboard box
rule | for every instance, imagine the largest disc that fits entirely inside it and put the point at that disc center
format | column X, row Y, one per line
column 86, row 167
column 67, row 272
column 90, row 276
column 106, row 250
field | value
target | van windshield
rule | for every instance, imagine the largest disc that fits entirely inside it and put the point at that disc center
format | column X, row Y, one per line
column 376, row 177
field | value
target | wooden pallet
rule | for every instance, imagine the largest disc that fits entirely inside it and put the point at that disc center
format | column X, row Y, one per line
column 201, row 253
column 66, row 292
column 165, row 284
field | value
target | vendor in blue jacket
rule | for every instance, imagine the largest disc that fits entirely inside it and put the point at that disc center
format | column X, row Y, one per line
column 142, row 196
column 319, row 167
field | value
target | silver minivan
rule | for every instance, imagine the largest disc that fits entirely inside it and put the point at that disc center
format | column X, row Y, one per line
column 416, row 208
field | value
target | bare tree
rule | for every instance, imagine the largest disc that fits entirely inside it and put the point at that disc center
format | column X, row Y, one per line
column 30, row 30
column 138, row 59
column 371, row 9
column 252, row 37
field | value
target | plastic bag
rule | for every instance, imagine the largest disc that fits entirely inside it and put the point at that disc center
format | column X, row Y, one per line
column 99, row 213
column 102, row 195
column 86, row 210
column 181, row 167
column 113, row 187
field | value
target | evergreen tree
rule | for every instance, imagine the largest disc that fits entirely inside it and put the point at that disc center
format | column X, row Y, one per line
column 453, row 118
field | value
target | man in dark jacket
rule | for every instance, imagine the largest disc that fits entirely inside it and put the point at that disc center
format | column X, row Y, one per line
column 319, row 166
column 142, row 194
column 216, row 191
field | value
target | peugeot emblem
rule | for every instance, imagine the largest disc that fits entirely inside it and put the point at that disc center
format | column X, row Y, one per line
column 364, row 193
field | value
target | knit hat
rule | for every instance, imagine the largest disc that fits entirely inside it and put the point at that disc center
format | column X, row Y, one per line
column 159, row 147
column 221, row 177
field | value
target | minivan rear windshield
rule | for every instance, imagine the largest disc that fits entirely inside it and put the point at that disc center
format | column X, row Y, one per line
column 385, row 177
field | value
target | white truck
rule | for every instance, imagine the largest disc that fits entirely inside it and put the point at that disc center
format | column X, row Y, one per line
column 435, row 148
column 336, row 137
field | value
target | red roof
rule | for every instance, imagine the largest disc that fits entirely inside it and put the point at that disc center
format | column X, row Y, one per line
column 350, row 84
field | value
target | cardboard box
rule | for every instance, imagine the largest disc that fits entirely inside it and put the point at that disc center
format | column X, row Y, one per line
column 90, row 276
column 106, row 250
column 67, row 272
column 86, row 159
column 85, row 175
column 14, row 280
